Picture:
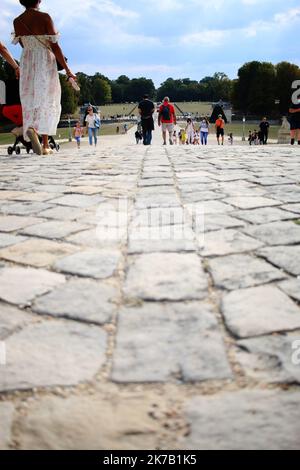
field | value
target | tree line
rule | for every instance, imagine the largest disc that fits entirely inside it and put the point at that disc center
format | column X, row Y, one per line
column 260, row 88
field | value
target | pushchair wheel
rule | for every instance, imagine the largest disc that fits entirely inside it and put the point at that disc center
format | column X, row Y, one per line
column 10, row 150
column 57, row 147
column 18, row 150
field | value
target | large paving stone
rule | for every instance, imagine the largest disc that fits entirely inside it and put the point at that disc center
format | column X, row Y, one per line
column 157, row 342
column 285, row 257
column 276, row 233
column 37, row 253
column 63, row 213
column 244, row 420
column 99, row 264
column 259, row 310
column 53, row 353
column 6, row 420
column 272, row 359
column 53, row 229
column 77, row 200
column 80, row 299
column 11, row 223
column 12, row 319
column 99, row 237
column 292, row 208
column 169, row 238
column 219, row 221
column 209, row 207
column 9, row 240
column 166, row 276
column 23, row 208
column 77, row 423
column 225, row 242
column 264, row 215
column 240, row 271
column 249, row 202
column 291, row 287
column 20, row 285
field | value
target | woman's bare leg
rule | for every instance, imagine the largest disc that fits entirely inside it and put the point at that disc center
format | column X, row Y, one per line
column 45, row 141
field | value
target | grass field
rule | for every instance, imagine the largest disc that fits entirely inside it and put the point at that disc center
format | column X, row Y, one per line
column 63, row 134
column 124, row 109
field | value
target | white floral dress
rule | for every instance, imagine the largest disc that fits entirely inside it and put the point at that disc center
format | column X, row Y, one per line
column 40, row 89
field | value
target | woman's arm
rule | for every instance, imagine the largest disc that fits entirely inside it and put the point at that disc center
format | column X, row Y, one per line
column 57, row 51
column 7, row 56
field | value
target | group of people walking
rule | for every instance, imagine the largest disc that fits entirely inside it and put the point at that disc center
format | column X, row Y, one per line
column 167, row 120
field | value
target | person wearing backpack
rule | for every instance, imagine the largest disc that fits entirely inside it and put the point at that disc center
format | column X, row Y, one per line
column 167, row 119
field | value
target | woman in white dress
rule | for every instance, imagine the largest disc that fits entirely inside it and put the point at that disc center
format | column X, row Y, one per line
column 40, row 89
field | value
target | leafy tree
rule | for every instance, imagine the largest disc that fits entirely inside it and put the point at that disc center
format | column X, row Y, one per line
column 101, row 91
column 254, row 91
column 69, row 98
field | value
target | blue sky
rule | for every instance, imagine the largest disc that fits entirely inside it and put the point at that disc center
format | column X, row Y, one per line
column 168, row 38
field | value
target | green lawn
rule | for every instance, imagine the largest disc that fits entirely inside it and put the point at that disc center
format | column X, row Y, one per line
column 63, row 134
column 202, row 108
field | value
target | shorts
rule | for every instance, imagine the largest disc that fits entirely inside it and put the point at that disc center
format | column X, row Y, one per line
column 220, row 132
column 295, row 125
column 78, row 139
column 168, row 126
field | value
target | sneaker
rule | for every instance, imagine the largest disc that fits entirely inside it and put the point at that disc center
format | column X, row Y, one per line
column 33, row 137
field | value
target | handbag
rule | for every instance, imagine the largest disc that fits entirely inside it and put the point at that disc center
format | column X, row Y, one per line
column 97, row 123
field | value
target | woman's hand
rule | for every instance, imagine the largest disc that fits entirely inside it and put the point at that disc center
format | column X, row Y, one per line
column 17, row 72
column 71, row 74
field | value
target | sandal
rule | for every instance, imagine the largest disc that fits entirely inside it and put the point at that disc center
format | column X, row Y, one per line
column 33, row 137
column 47, row 151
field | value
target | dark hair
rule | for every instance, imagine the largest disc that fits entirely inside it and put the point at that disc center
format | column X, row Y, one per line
column 29, row 3
column 146, row 97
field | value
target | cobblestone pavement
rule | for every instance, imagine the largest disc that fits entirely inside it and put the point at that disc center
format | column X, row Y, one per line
column 131, row 328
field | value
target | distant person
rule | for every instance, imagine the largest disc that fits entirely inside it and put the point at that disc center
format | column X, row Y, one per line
column 167, row 119
column 250, row 137
column 204, row 131
column 146, row 109
column 295, row 122
column 40, row 89
column 175, row 138
column 118, row 130
column 220, row 129
column 125, row 128
column 8, row 57
column 78, row 133
column 230, row 138
column 93, row 125
column 183, row 137
column 190, row 131
column 264, row 129
column 138, row 136
column 196, row 138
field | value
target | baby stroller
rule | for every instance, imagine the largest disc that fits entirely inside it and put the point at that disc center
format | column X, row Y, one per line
column 11, row 110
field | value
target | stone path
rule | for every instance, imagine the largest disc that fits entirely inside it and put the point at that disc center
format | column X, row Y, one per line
column 149, row 298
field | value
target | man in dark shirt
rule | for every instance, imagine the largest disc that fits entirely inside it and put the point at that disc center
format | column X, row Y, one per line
column 264, row 129
column 295, row 122
column 146, row 110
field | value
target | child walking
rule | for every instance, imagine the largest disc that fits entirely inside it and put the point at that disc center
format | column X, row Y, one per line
column 78, row 133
